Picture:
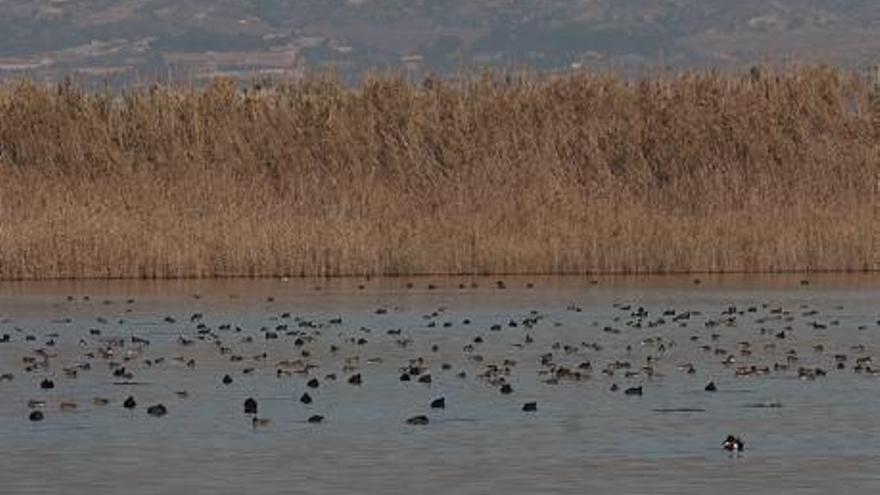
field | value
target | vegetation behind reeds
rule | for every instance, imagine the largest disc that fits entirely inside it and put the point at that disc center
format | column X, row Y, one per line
column 765, row 170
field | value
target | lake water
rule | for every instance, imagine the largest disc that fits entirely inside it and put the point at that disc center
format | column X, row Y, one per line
column 810, row 434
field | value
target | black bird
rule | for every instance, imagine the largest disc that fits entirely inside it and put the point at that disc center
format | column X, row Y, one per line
column 47, row 384
column 530, row 406
column 711, row 387
column 36, row 416
column 439, row 403
column 305, row 398
column 418, row 420
column 157, row 410
column 317, row 418
column 250, row 406
column 355, row 379
column 313, row 383
column 633, row 391
column 226, row 379
column 129, row 403
column 506, row 389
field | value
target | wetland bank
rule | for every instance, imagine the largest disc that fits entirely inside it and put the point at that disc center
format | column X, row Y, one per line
column 764, row 170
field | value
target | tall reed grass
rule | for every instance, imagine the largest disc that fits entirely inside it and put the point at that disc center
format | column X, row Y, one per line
column 761, row 170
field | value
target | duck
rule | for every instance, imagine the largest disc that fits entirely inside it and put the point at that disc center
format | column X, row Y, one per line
column 733, row 444
column 260, row 422
column 157, row 410
column 418, row 420
column 633, row 391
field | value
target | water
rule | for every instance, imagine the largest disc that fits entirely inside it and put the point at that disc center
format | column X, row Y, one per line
column 583, row 437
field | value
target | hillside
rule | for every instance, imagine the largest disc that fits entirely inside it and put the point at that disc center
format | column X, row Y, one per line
column 133, row 40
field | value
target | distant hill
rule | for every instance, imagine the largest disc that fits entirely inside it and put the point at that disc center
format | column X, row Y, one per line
column 137, row 40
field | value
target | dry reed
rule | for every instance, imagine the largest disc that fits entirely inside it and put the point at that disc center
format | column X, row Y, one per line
column 765, row 170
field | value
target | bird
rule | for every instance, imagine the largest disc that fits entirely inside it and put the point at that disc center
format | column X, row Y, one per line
column 258, row 422
column 157, row 410
column 418, row 420
column 633, row 391
column 733, row 444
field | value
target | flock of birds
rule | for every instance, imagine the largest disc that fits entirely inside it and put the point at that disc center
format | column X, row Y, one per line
column 126, row 355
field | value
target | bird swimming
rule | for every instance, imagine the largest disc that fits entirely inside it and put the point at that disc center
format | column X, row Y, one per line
column 733, row 444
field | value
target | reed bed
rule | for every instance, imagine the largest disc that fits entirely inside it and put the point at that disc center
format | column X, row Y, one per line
column 755, row 171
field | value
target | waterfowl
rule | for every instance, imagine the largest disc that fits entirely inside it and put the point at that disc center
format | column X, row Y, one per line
column 305, row 398
column 250, row 406
column 530, row 406
column 129, row 403
column 47, row 384
column 315, row 418
column 710, row 387
column 732, row 443
column 226, row 380
column 67, row 405
column 36, row 416
column 157, row 410
column 259, row 422
column 506, row 389
column 438, row 403
column 418, row 420
column 633, row 391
